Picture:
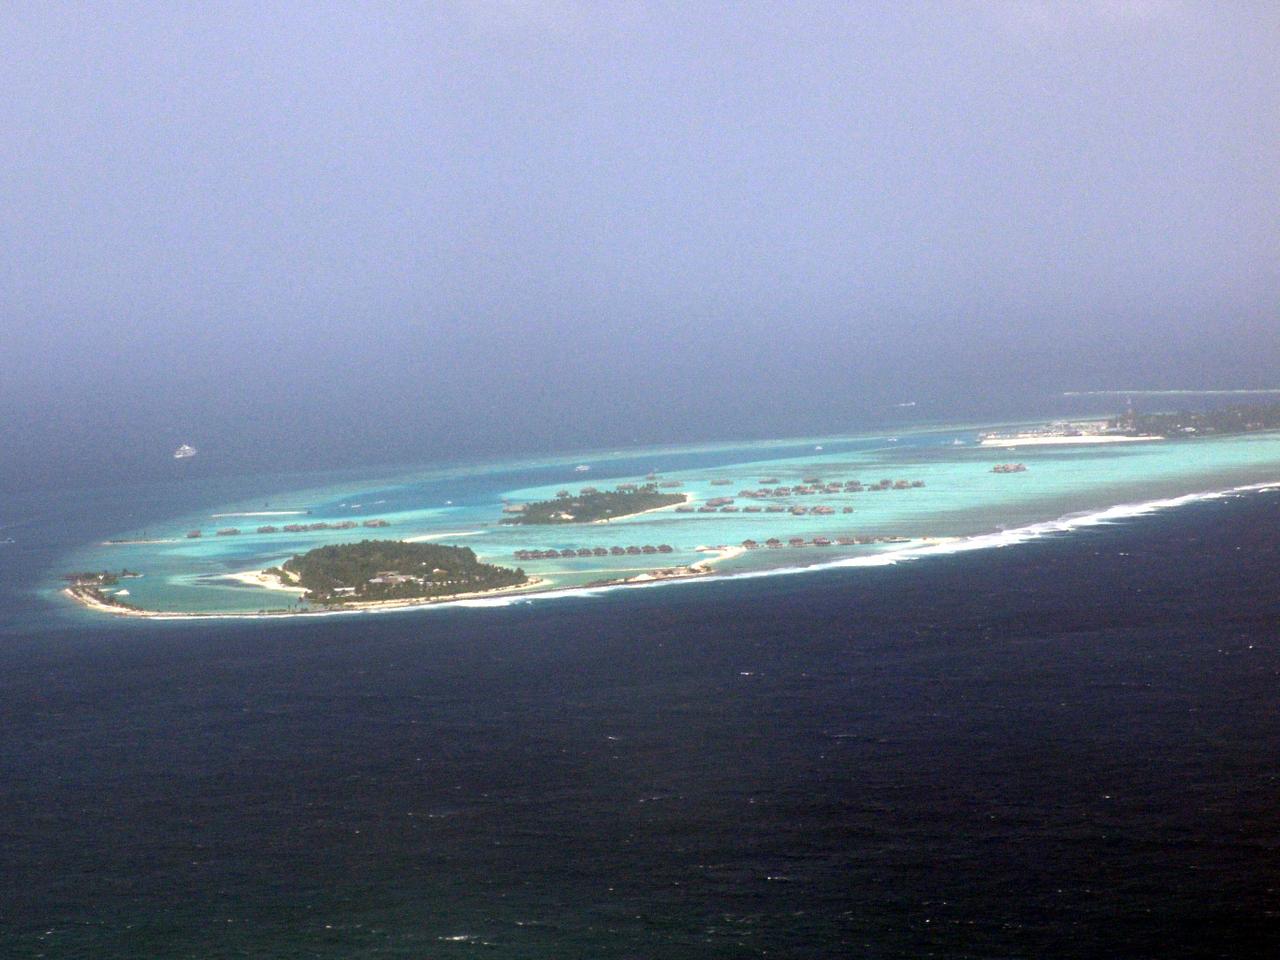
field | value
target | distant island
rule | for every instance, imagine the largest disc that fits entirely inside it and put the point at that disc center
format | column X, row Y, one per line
column 1238, row 418
column 377, row 571
column 592, row 506
column 1132, row 427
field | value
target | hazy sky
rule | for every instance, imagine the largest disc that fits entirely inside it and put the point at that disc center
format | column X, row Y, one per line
column 453, row 226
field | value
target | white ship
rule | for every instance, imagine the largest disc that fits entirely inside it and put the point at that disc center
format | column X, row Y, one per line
column 184, row 451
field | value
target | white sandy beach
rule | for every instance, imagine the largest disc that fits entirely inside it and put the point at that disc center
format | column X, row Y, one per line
column 260, row 578
column 88, row 600
column 1056, row 441
column 424, row 538
column 688, row 498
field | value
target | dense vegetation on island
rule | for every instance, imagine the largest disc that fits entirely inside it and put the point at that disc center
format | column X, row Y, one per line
column 590, row 505
column 1232, row 419
column 393, row 570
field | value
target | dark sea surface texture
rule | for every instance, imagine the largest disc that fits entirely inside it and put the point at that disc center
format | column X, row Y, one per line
column 1064, row 748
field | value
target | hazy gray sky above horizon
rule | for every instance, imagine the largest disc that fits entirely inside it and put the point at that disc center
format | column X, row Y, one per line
column 516, row 213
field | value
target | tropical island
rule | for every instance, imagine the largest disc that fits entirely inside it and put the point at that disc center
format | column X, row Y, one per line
column 592, row 506
column 1239, row 418
column 94, row 587
column 377, row 571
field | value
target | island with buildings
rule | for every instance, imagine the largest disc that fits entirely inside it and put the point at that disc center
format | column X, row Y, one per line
column 101, row 588
column 590, row 505
column 380, row 571
column 1224, row 421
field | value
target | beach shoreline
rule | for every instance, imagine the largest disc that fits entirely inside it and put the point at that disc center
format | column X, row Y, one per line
column 87, row 599
column 1057, row 441
column 688, row 499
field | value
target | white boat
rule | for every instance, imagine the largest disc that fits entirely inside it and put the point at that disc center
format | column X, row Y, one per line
column 582, row 468
column 184, row 451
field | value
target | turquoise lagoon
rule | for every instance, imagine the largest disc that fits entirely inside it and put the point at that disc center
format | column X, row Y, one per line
column 963, row 504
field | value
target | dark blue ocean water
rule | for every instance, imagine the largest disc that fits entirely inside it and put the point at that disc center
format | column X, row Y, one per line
column 1066, row 748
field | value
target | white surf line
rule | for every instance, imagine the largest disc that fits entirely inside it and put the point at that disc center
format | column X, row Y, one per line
column 918, row 550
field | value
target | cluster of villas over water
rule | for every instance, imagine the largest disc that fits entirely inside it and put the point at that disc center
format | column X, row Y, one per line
column 582, row 552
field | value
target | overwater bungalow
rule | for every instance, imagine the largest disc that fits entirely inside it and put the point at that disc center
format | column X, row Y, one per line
column 917, row 483
column 721, row 482
column 294, row 528
column 648, row 548
column 812, row 479
column 768, row 480
column 902, row 485
column 750, row 544
column 376, row 523
column 194, row 534
column 775, row 508
column 773, row 543
column 685, row 508
column 665, row 548
column 584, row 551
column 618, row 551
column 719, row 501
column 799, row 511
column 752, row 509
column 797, row 541
column 823, row 511
column 821, row 542
column 268, row 529
column 346, row 525
column 845, row 541
column 633, row 551
column 229, row 532
column 728, row 509
column 599, row 552
column 707, row 509
column 1009, row 468
column 846, row 509
column 317, row 526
